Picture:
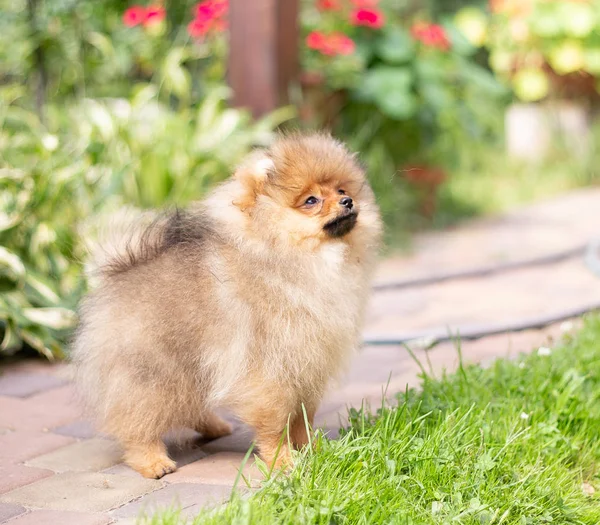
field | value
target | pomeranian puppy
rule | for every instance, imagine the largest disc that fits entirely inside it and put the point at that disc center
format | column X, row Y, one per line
column 251, row 301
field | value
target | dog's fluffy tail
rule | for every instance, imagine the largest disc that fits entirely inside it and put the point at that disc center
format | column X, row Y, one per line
column 121, row 241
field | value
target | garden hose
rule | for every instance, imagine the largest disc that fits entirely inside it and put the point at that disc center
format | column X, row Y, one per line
column 430, row 338
column 483, row 271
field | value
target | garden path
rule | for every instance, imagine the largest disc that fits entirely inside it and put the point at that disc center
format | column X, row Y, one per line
column 54, row 469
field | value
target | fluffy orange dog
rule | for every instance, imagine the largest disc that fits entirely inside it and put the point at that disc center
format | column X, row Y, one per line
column 251, row 301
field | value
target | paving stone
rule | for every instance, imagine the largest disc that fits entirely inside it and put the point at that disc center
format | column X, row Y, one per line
column 78, row 429
column 22, row 384
column 14, row 476
column 122, row 470
column 221, row 468
column 81, row 492
column 190, row 498
column 239, row 441
column 16, row 447
column 41, row 411
column 539, row 229
column 376, row 364
column 8, row 511
column 57, row 517
column 37, row 365
column 89, row 455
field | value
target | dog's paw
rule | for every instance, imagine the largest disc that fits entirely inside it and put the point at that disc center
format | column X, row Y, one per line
column 158, row 468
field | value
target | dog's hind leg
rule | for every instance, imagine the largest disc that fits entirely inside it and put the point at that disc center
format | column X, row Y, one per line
column 211, row 426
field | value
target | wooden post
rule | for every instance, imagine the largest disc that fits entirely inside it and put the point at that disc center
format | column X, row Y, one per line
column 263, row 52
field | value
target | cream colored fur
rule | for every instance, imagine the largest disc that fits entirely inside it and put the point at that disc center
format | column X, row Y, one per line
column 248, row 306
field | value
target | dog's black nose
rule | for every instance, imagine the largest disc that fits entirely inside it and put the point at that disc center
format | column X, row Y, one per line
column 346, row 202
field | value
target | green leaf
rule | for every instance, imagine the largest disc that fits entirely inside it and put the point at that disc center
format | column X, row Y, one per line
column 41, row 288
column 390, row 88
column 11, row 265
column 399, row 105
column 11, row 342
column 480, row 78
column 8, row 221
column 176, row 78
column 101, row 118
column 102, row 43
column 396, row 46
column 39, row 340
column 436, row 95
column 211, row 107
column 55, row 317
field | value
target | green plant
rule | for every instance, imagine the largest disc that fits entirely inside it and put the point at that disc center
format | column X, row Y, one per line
column 43, row 194
column 51, row 51
column 146, row 155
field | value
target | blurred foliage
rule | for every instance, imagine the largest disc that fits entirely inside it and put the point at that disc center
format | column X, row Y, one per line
column 44, row 192
column 83, row 48
column 543, row 48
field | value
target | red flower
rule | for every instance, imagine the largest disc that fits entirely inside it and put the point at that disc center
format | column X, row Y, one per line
column 316, row 40
column 432, row 35
column 341, row 44
column 154, row 15
column 198, row 27
column 331, row 45
column 372, row 18
column 209, row 16
column 134, row 16
column 210, row 9
column 328, row 5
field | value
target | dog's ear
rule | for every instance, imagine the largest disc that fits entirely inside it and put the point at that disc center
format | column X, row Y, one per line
column 253, row 175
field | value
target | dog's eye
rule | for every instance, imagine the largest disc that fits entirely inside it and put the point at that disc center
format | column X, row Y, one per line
column 311, row 201
column 341, row 192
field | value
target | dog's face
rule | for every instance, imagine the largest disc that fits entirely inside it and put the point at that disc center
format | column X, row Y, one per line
column 306, row 189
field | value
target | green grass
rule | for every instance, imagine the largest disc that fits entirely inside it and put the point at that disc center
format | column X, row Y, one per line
column 516, row 443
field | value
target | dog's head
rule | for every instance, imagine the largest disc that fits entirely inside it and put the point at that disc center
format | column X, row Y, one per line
column 306, row 189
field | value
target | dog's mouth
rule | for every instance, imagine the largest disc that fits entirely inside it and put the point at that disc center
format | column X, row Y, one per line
column 341, row 225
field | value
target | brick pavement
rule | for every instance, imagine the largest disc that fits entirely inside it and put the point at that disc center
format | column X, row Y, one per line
column 55, row 469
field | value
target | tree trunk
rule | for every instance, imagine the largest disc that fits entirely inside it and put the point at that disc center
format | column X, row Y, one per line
column 263, row 55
